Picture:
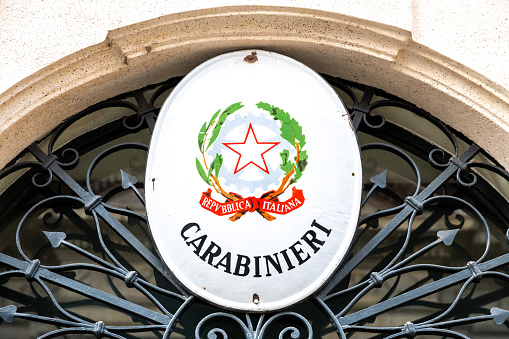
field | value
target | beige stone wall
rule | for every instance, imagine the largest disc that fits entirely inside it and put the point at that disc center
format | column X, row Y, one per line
column 36, row 33
column 449, row 58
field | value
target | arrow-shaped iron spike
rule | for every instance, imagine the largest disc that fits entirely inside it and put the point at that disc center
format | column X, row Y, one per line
column 129, row 181
column 448, row 236
column 500, row 316
column 55, row 238
column 8, row 313
column 379, row 180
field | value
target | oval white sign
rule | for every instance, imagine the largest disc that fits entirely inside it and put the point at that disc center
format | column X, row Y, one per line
column 253, row 182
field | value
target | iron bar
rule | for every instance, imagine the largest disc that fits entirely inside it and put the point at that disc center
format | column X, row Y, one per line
column 422, row 291
column 406, row 255
column 394, row 223
column 107, row 217
column 87, row 291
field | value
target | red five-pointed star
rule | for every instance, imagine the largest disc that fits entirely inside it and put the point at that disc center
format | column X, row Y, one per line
column 251, row 151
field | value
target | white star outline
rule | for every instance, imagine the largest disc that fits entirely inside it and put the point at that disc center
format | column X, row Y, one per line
column 251, row 151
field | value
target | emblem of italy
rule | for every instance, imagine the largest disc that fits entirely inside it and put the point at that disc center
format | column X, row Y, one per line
column 259, row 151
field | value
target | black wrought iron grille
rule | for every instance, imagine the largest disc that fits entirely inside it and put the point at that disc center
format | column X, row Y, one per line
column 430, row 257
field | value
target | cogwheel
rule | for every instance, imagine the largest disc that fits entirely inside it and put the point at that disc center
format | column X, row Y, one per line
column 228, row 173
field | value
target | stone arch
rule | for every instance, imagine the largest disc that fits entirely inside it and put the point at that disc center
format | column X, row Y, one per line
column 355, row 49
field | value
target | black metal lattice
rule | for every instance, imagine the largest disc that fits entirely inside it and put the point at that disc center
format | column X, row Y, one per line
column 430, row 257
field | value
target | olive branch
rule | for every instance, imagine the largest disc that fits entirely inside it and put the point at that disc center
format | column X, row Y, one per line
column 204, row 142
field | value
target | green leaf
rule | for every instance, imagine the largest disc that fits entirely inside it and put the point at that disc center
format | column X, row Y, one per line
column 233, row 107
column 297, row 132
column 290, row 128
column 213, row 118
column 201, row 171
column 210, row 169
column 218, row 162
column 285, row 155
column 282, row 116
column 287, row 134
column 286, row 165
column 222, row 118
column 211, row 122
column 201, row 135
column 215, row 134
column 276, row 112
column 266, row 107
column 303, row 156
column 301, row 165
column 216, row 165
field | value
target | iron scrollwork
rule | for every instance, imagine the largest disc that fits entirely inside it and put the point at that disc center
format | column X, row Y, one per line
column 73, row 230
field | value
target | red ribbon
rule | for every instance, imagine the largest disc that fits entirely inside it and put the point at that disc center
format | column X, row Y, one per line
column 252, row 204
